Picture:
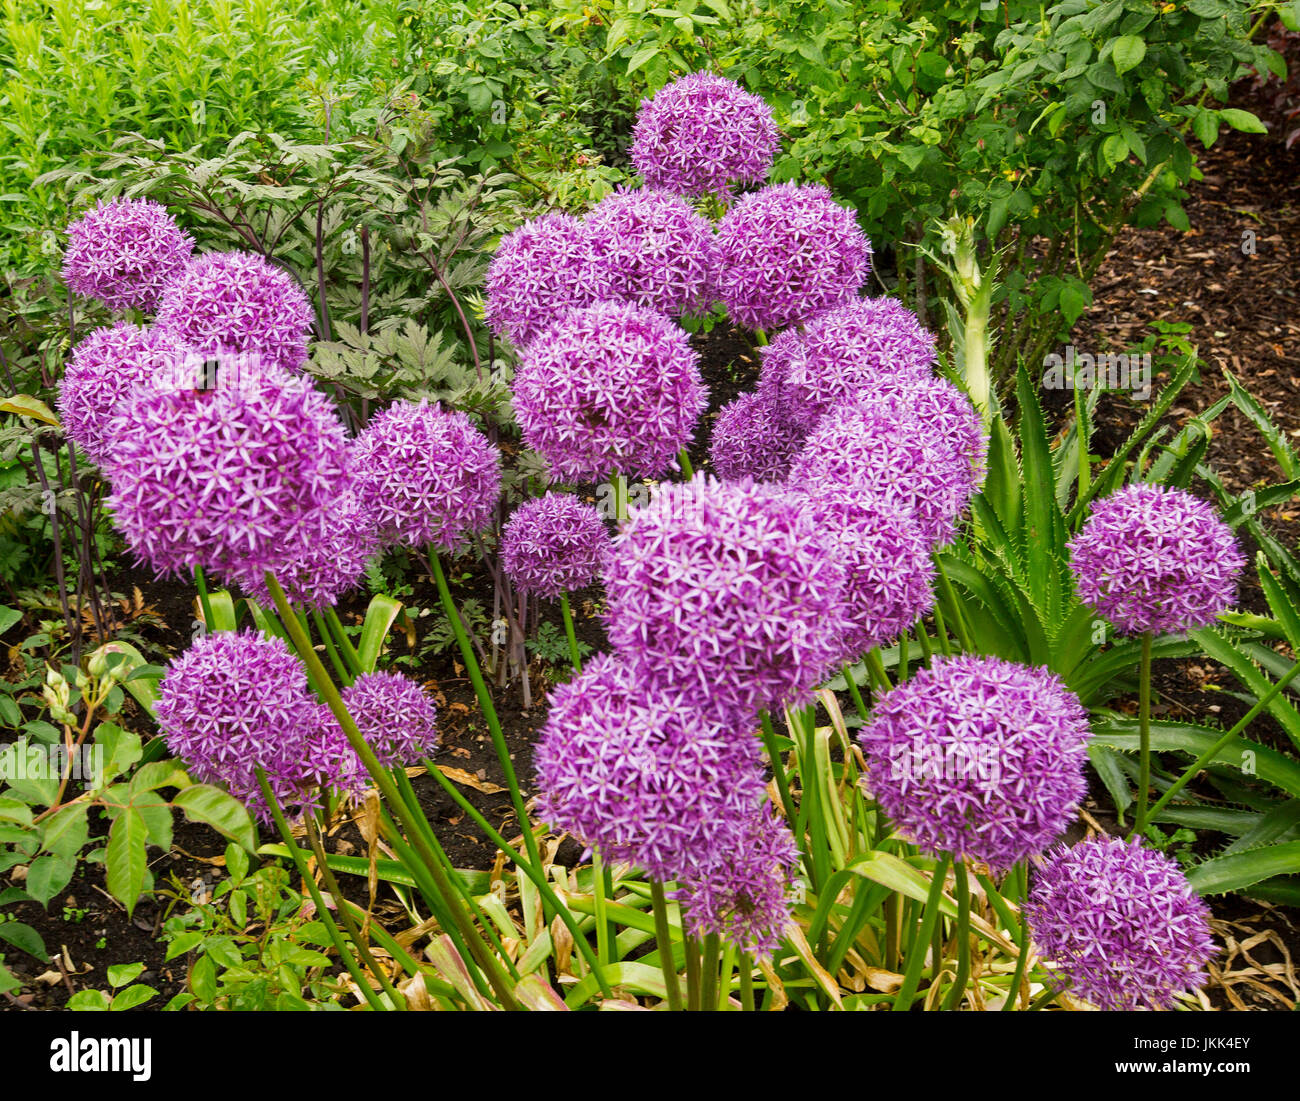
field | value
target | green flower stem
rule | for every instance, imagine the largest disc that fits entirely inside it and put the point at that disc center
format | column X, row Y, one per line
column 1021, row 874
column 688, row 471
column 963, row 935
column 1049, row 995
column 344, row 676
column 893, row 929
column 490, row 964
column 958, row 621
column 916, row 955
column 533, row 873
column 346, row 648
column 1080, row 419
column 327, row 919
column 941, row 632
column 761, row 337
column 571, row 634
column 487, row 707
column 663, row 935
column 1205, row 758
column 709, row 972
column 598, row 899
column 903, row 656
column 436, row 987
column 1144, row 736
column 927, row 655
column 778, row 765
column 692, row 974
column 876, row 667
column 746, row 983
column 855, row 693
column 200, row 583
column 354, row 933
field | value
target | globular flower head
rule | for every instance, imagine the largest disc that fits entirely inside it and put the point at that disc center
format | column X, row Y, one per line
column 613, row 388
column 395, row 716
column 890, row 567
column 1121, row 923
column 109, row 369
column 427, row 475
column 753, row 438
column 919, row 447
column 237, row 702
column 332, row 561
column 233, row 479
column 644, row 773
column 868, row 342
column 124, row 252
column 727, row 592
column 1155, row 558
column 744, row 898
column 786, row 253
column 553, row 544
column 540, row 271
column 651, row 248
column 702, row 135
column 979, row 757
column 238, row 303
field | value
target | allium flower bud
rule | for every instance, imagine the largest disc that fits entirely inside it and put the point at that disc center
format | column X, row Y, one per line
column 979, row 757
column 649, row 247
column 109, row 369
column 744, row 897
column 539, row 272
column 1121, row 923
column 786, row 253
column 427, row 475
column 124, row 252
column 866, row 343
column 1154, row 558
column 395, row 716
column 753, row 438
column 728, row 592
column 236, row 702
column 613, row 388
column 704, row 134
column 237, row 303
column 643, row 773
column 233, row 479
column 553, row 544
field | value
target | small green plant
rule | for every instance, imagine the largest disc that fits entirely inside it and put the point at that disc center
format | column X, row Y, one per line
column 126, row 993
column 552, row 647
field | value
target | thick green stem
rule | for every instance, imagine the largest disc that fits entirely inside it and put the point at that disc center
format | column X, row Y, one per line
column 709, row 972
column 663, row 936
column 963, row 935
column 778, row 765
column 1144, row 736
column 344, row 676
column 302, row 643
column 692, row 974
column 346, row 648
column 916, row 954
column 570, row 633
column 688, row 471
column 1021, row 873
column 746, row 983
column 200, row 583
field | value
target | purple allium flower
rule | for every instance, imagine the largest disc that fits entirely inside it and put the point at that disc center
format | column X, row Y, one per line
column 539, row 272
column 910, row 447
column 788, row 252
column 752, row 437
column 651, row 248
column 979, row 757
column 891, row 569
column 868, row 342
column 728, row 592
column 1121, row 922
column 233, row 479
column 643, row 773
column 395, row 716
column 109, row 369
column 704, row 134
column 332, row 561
column 613, row 388
column 553, row 544
column 743, row 897
column 124, row 252
column 236, row 702
column 237, row 303
column 1154, row 558
column 427, row 474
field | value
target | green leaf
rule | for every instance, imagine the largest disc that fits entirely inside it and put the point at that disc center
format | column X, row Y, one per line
column 635, row 977
column 1044, row 525
column 121, row 750
column 159, row 774
column 1232, row 873
column 8, row 617
column 15, row 810
column 132, row 996
column 25, row 938
column 379, row 618
column 119, row 974
column 643, row 55
column 1205, row 125
column 236, row 863
column 1226, row 653
column 47, row 876
column 1276, row 438
column 1075, row 297
column 1270, row 827
column 24, row 405
column 66, row 830
column 125, row 861
column 225, row 814
column 1127, row 53
column 84, row 1001
column 1242, row 120
column 203, row 979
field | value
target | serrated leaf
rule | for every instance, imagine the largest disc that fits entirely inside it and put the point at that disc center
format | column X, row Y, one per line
column 1127, row 53
column 1232, row 873
column 221, row 811
column 24, row 937
column 125, row 861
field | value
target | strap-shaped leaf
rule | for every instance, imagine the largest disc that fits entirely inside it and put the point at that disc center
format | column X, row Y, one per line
column 1232, row 873
column 1226, row 653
